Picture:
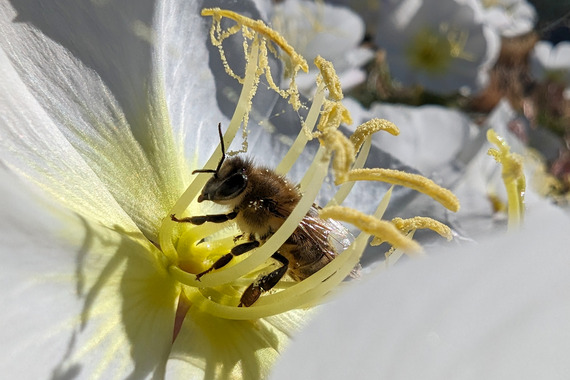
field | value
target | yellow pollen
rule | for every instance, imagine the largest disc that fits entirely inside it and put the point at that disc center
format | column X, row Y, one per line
column 370, row 127
column 262, row 29
column 343, row 153
column 513, row 177
column 412, row 181
column 332, row 115
column 422, row 222
column 379, row 228
column 330, row 78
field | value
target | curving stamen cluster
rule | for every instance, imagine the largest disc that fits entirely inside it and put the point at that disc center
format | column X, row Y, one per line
column 513, row 177
column 191, row 249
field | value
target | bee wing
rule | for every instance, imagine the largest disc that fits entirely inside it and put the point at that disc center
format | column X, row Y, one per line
column 326, row 232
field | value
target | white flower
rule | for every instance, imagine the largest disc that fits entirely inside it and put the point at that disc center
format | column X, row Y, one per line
column 510, row 18
column 551, row 62
column 440, row 45
column 333, row 32
column 430, row 136
column 446, row 146
column 99, row 104
column 106, row 110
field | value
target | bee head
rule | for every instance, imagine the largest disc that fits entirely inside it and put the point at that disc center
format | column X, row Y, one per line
column 228, row 183
column 229, row 180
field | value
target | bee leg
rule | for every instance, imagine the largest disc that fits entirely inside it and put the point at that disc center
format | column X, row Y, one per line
column 265, row 283
column 225, row 259
column 201, row 219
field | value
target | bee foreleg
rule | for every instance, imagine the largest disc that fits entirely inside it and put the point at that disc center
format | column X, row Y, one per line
column 201, row 219
column 225, row 259
column 265, row 283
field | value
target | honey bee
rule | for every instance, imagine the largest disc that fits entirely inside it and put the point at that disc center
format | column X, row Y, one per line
column 260, row 201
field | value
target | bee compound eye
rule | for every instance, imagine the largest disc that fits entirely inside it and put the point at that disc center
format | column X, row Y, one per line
column 233, row 186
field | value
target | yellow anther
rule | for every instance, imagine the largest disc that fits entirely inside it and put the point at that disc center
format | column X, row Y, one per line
column 330, row 78
column 260, row 27
column 259, row 42
column 332, row 115
column 513, row 177
column 422, row 222
column 343, row 151
column 372, row 126
column 412, row 181
column 381, row 229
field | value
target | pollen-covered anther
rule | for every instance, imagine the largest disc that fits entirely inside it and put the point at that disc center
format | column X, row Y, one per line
column 260, row 27
column 513, row 176
column 381, row 229
column 418, row 223
column 259, row 42
column 370, row 127
column 330, row 78
column 343, row 151
column 332, row 115
column 412, row 181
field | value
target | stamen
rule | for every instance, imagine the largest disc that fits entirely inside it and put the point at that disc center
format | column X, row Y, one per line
column 263, row 36
column 262, row 29
column 418, row 223
column 513, row 177
column 330, row 78
column 346, row 187
column 422, row 222
column 332, row 115
column 219, row 291
column 413, row 181
column 302, row 138
column 380, row 228
column 343, row 150
column 302, row 294
column 370, row 127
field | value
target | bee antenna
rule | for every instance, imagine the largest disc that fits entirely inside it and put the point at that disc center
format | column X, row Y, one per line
column 221, row 160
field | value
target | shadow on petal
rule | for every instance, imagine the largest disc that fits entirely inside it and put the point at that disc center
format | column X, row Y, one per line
column 214, row 348
column 103, row 36
column 127, row 317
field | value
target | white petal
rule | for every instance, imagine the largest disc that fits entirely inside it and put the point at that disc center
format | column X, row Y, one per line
column 185, row 48
column 318, row 28
column 496, row 310
column 33, row 146
column 78, row 300
column 215, row 348
column 91, row 72
column 200, row 94
column 430, row 136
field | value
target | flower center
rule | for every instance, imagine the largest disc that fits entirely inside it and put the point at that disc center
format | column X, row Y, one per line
column 191, row 249
column 433, row 50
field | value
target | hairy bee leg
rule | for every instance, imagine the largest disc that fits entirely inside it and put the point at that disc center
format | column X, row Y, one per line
column 265, row 283
column 225, row 259
column 201, row 219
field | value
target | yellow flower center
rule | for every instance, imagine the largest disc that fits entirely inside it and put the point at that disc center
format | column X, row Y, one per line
column 190, row 249
column 433, row 50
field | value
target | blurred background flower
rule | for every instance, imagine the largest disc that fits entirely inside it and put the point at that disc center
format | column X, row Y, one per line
column 442, row 46
column 333, row 32
column 510, row 18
